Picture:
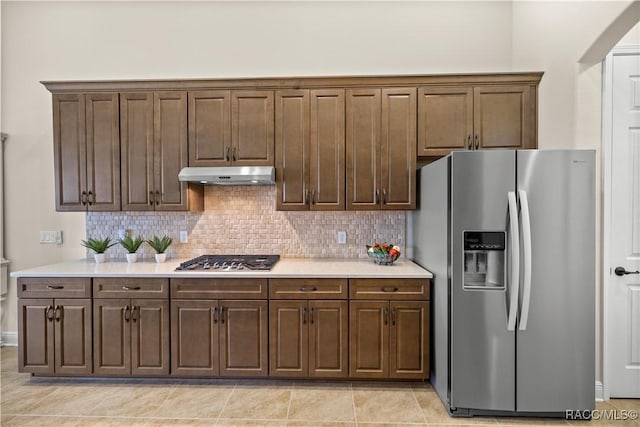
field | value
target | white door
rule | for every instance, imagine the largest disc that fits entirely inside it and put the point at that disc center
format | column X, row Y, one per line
column 623, row 293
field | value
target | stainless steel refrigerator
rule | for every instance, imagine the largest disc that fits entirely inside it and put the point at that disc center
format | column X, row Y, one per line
column 510, row 239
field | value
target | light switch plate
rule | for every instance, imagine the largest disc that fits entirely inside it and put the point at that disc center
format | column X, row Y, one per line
column 51, row 237
column 183, row 236
column 342, row 237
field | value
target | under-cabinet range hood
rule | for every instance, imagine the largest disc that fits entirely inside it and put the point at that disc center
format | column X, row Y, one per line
column 229, row 175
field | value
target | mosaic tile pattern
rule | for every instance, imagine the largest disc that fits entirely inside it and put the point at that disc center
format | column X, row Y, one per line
column 243, row 219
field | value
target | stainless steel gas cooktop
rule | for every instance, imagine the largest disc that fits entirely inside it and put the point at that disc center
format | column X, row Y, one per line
column 229, row 262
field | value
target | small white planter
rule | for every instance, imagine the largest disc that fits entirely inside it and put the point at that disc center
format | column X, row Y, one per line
column 132, row 258
column 161, row 258
column 99, row 258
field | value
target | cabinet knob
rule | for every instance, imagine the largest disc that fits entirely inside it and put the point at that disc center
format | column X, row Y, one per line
column 469, row 143
column 226, row 153
column 90, row 198
column 377, row 197
column 158, row 197
column 151, row 198
column 234, row 154
column 384, row 196
column 477, row 142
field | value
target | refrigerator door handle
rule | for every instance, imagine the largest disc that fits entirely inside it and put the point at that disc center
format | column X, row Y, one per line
column 515, row 261
column 526, row 249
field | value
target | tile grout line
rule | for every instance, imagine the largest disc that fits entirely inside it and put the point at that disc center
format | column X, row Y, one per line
column 235, row 385
column 286, row 419
column 353, row 403
column 415, row 398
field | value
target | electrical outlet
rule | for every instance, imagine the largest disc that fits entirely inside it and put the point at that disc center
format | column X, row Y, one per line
column 51, row 237
column 342, row 237
column 184, row 238
column 122, row 234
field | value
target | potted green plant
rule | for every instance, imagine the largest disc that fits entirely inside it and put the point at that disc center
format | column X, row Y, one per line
column 99, row 246
column 160, row 245
column 131, row 244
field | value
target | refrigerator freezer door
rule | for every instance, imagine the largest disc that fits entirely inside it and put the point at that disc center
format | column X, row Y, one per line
column 556, row 351
column 482, row 350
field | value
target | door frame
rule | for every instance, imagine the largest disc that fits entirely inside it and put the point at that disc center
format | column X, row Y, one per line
column 602, row 390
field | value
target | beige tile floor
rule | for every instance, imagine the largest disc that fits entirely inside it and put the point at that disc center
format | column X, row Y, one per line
column 26, row 401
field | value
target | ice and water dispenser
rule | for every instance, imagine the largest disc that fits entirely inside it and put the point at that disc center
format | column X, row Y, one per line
column 484, row 260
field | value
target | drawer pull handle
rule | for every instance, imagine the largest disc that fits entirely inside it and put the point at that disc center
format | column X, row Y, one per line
column 58, row 313
column 221, row 314
column 127, row 316
column 311, row 315
column 133, row 313
column 130, row 288
column 214, row 310
column 305, row 289
column 393, row 316
column 385, row 315
column 55, row 287
column 304, row 315
column 49, row 313
column 389, row 289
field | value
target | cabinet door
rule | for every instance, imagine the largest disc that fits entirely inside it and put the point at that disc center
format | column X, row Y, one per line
column 69, row 145
column 445, row 119
column 194, row 337
column 209, row 128
column 252, row 128
column 409, row 339
column 292, row 149
column 150, row 337
column 103, row 151
column 111, row 337
column 170, row 150
column 73, row 333
column 35, row 336
column 369, row 339
column 398, row 149
column 243, row 338
column 136, row 137
column 288, row 338
column 327, row 154
column 502, row 117
column 363, row 148
column 328, row 339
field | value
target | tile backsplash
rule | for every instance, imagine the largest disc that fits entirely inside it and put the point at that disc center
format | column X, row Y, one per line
column 243, row 219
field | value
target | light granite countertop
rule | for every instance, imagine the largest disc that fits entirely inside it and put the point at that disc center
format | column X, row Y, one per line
column 285, row 268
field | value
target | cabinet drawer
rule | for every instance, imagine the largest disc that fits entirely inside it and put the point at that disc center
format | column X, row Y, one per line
column 122, row 287
column 54, row 287
column 308, row 288
column 219, row 288
column 389, row 289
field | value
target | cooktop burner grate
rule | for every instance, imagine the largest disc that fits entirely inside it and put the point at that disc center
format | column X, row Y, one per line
column 229, row 262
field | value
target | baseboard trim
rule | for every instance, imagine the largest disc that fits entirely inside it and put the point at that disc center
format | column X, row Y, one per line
column 9, row 339
column 599, row 391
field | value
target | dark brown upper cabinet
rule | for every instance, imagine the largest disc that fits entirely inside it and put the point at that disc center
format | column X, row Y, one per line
column 381, row 148
column 231, row 128
column 153, row 129
column 86, row 142
column 472, row 118
column 310, row 149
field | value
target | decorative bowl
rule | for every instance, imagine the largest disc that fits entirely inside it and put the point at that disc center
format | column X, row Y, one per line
column 382, row 259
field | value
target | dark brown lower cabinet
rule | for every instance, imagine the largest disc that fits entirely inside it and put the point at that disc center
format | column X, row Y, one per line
column 131, row 336
column 389, row 339
column 308, row 338
column 54, row 336
column 225, row 338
